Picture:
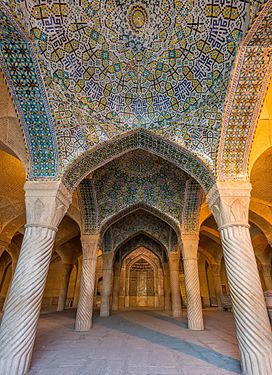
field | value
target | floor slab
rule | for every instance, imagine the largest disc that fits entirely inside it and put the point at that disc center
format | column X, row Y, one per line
column 135, row 343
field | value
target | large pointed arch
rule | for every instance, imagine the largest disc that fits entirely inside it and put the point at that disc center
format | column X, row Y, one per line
column 137, row 139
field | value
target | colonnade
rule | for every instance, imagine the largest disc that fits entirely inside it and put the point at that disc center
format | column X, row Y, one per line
column 47, row 203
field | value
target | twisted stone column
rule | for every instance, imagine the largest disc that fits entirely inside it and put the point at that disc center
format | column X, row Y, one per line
column 77, row 286
column 174, row 283
column 107, row 284
column 266, row 268
column 116, row 285
column 46, row 204
column 194, row 307
column 229, row 202
column 217, row 284
column 167, row 289
column 87, row 282
column 66, row 272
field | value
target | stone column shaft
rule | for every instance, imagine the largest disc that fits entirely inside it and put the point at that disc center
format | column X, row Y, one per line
column 116, row 286
column 167, row 288
column 204, row 283
column 217, row 284
column 229, row 202
column 107, row 284
column 194, row 307
column 66, row 272
column 77, row 286
column 174, row 283
column 266, row 268
column 87, row 282
column 46, row 204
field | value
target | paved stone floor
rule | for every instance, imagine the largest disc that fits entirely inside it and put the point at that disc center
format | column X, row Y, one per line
column 135, row 343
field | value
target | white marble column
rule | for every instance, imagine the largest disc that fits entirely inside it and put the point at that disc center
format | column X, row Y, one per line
column 84, row 315
column 46, row 204
column 217, row 283
column 107, row 284
column 229, row 202
column 66, row 272
column 77, row 285
column 174, row 283
column 167, row 288
column 190, row 242
column 116, row 286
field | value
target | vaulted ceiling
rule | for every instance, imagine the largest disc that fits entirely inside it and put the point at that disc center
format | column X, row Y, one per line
column 91, row 70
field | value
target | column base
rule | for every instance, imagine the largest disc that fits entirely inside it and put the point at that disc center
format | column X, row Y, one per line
column 83, row 326
column 15, row 365
column 176, row 314
column 104, row 314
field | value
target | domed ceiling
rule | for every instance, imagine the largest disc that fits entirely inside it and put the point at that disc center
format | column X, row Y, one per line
column 115, row 65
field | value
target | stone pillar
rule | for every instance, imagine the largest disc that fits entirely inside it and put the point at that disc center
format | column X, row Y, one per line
column 190, row 242
column 174, row 283
column 77, row 286
column 66, row 272
column 167, row 288
column 204, row 283
column 89, row 243
column 107, row 284
column 229, row 202
column 116, row 286
column 46, row 204
column 266, row 268
column 217, row 284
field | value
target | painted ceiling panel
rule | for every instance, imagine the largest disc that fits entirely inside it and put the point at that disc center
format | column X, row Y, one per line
column 114, row 65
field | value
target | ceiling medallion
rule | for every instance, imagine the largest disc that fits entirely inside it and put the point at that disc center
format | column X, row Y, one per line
column 138, row 18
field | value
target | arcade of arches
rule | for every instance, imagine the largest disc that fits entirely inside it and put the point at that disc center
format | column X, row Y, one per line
column 135, row 178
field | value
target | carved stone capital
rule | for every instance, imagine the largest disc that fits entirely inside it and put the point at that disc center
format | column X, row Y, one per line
column 46, row 203
column 229, row 203
column 90, row 243
column 190, row 241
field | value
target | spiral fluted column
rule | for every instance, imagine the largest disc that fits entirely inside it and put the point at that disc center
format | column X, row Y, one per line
column 116, row 286
column 204, row 288
column 66, row 272
column 107, row 284
column 174, row 283
column 192, row 286
column 77, row 286
column 46, row 204
column 167, row 289
column 87, row 282
column 229, row 202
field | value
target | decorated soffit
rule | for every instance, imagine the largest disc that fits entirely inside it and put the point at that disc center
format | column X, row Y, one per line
column 140, row 240
column 139, row 177
column 142, row 222
column 112, row 66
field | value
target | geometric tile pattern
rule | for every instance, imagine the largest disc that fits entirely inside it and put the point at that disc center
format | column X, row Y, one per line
column 139, row 177
column 88, row 207
column 115, row 65
column 141, row 222
column 253, row 68
column 134, row 140
column 191, row 206
column 19, row 64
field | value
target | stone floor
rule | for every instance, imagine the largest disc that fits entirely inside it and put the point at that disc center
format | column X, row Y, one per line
column 135, row 343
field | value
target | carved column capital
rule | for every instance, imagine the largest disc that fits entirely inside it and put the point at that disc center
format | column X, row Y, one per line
column 190, row 241
column 46, row 203
column 229, row 203
column 89, row 243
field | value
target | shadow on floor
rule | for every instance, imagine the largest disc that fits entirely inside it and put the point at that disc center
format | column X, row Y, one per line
column 166, row 318
column 118, row 322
